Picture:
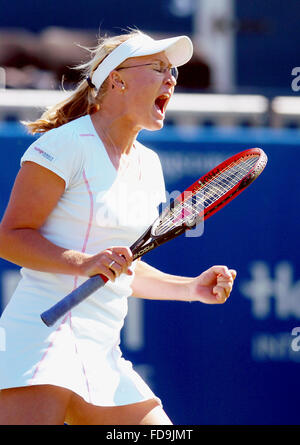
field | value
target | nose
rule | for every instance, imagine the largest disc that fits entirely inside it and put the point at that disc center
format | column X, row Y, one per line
column 170, row 78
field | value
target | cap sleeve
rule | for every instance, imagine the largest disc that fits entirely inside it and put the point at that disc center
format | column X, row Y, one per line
column 58, row 151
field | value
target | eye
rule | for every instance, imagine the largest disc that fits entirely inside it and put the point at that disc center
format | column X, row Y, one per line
column 159, row 69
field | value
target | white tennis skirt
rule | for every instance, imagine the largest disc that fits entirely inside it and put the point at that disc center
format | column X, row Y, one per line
column 80, row 352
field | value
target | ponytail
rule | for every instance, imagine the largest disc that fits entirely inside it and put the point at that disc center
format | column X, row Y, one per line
column 84, row 100
column 78, row 104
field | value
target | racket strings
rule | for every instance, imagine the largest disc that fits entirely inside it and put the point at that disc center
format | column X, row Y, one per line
column 196, row 201
column 227, row 179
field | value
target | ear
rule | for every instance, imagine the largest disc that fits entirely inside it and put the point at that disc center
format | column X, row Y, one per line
column 116, row 81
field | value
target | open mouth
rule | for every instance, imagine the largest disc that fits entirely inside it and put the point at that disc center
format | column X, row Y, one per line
column 161, row 103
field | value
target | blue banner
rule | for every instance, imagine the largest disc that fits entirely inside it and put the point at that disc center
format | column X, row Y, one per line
column 236, row 363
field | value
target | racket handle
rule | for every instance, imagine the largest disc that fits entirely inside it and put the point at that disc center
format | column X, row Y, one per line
column 79, row 294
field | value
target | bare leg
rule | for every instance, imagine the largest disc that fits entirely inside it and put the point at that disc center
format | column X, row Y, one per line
column 34, row 405
column 148, row 412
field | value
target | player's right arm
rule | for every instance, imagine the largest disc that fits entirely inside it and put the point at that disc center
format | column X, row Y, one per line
column 35, row 194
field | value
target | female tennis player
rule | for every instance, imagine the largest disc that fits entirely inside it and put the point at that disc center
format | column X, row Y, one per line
column 85, row 191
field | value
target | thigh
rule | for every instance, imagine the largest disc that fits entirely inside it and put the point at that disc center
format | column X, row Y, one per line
column 148, row 412
column 34, row 405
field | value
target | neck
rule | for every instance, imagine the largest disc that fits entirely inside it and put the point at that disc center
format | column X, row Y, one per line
column 116, row 133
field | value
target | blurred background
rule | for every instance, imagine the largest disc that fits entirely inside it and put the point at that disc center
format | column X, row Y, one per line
column 232, row 364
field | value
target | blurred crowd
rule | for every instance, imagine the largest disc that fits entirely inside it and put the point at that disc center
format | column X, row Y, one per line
column 44, row 60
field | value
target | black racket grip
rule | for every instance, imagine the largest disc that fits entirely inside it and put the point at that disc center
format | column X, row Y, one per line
column 63, row 306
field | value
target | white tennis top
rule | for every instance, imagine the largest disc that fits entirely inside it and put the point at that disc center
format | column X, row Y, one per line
column 100, row 208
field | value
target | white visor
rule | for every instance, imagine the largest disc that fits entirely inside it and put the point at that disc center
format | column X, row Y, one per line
column 179, row 51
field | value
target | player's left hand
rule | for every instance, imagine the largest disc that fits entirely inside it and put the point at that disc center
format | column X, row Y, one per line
column 213, row 286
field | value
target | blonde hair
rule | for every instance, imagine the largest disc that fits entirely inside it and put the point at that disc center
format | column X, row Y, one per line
column 84, row 99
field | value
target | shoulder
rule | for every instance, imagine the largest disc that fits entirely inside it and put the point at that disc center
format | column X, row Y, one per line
column 60, row 150
column 61, row 142
column 147, row 153
column 63, row 133
column 153, row 173
column 150, row 159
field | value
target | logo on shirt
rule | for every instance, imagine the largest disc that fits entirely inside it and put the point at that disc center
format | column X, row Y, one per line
column 43, row 153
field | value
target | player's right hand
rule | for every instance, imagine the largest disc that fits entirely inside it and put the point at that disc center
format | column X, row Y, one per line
column 110, row 262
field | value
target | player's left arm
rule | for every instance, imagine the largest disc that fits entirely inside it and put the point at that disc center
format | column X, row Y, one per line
column 211, row 287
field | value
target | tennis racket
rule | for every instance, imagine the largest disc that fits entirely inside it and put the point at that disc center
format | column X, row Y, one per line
column 200, row 201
